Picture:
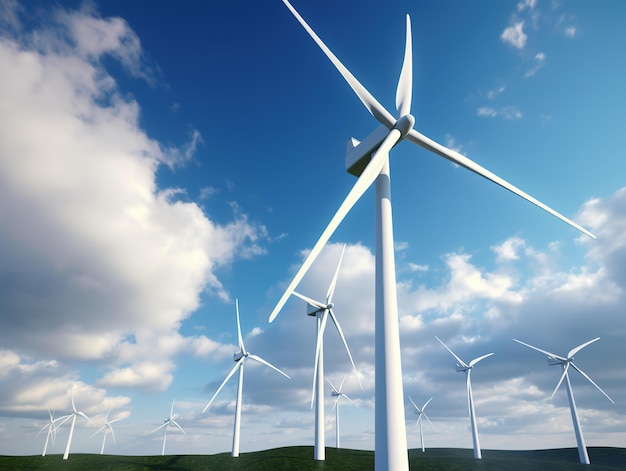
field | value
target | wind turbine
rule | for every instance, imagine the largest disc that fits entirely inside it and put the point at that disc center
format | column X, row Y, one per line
column 71, row 416
column 565, row 363
column 337, row 394
column 240, row 358
column 51, row 432
column 166, row 423
column 461, row 366
column 107, row 427
column 369, row 161
column 421, row 413
column 321, row 311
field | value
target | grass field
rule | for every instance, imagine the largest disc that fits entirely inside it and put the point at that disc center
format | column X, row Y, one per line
column 301, row 458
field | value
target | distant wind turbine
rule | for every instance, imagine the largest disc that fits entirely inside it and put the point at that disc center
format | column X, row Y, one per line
column 72, row 417
column 421, row 413
column 321, row 311
column 107, row 427
column 369, row 161
column 166, row 424
column 51, row 430
column 565, row 363
column 240, row 358
column 338, row 394
column 461, row 366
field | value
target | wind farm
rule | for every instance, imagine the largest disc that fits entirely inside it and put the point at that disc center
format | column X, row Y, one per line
column 157, row 163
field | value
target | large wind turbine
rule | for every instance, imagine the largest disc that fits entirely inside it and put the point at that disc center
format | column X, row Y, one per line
column 240, row 358
column 421, row 413
column 338, row 394
column 369, row 161
column 565, row 363
column 461, row 366
column 71, row 417
column 107, row 427
column 166, row 423
column 321, row 311
column 51, row 430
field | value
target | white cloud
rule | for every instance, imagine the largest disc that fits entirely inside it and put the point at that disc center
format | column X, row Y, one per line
column 514, row 35
column 96, row 250
column 526, row 4
column 494, row 93
column 540, row 59
column 570, row 31
column 508, row 250
column 507, row 112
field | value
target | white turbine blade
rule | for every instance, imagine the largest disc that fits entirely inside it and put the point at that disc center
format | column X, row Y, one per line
column 239, row 336
column 405, row 84
column 112, row 434
column 82, row 414
column 98, row 431
column 362, row 184
column 375, row 108
column 62, row 420
column 428, row 418
column 160, row 427
column 414, row 405
column 72, row 398
column 463, row 161
column 179, row 427
column 230, row 374
column 341, row 385
column 551, row 355
column 591, row 381
column 345, row 344
column 461, row 362
column 311, row 301
column 331, row 288
column 476, row 360
column 267, row 363
column 426, row 404
column 348, row 398
column 331, row 385
column 172, row 409
column 558, row 385
column 574, row 351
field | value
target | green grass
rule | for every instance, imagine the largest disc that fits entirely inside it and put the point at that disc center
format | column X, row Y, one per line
column 301, row 459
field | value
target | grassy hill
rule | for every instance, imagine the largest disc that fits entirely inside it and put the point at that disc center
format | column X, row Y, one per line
column 301, row 459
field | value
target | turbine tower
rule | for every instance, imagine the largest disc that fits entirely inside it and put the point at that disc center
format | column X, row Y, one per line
column 166, row 423
column 369, row 161
column 565, row 363
column 461, row 366
column 71, row 417
column 240, row 358
column 107, row 427
column 321, row 311
column 421, row 413
column 337, row 394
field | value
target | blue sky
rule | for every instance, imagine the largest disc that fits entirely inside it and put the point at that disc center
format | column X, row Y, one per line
column 160, row 160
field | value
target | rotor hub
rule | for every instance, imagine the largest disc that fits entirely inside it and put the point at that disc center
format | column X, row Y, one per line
column 405, row 124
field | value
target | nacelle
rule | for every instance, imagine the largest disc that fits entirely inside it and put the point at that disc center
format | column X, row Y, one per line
column 312, row 310
column 238, row 356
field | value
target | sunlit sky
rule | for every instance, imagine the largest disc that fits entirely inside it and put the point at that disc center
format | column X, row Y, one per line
column 159, row 160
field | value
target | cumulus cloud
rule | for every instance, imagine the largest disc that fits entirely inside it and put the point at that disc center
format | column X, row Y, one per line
column 540, row 59
column 507, row 112
column 96, row 252
column 514, row 35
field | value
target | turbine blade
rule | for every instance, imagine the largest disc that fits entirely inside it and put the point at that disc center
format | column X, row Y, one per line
column 331, row 385
column 476, row 360
column 345, row 344
column 72, row 398
column 159, row 427
column 362, row 184
column 172, row 409
column 414, row 405
column 565, row 368
column 230, row 374
column 341, row 385
column 266, row 363
column 428, row 418
column 463, row 161
column 461, row 362
column 179, row 427
column 375, row 108
column 112, row 434
column 98, row 431
column 591, row 381
column 239, row 336
column 331, row 288
column 551, row 355
column 426, row 404
column 82, row 414
column 346, row 396
column 311, row 301
column 574, row 351
column 405, row 84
